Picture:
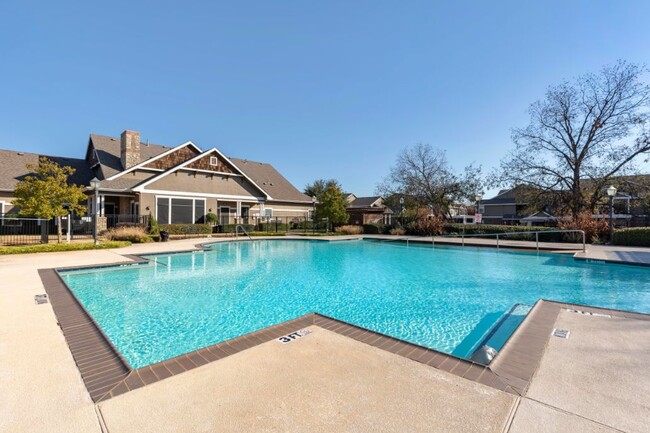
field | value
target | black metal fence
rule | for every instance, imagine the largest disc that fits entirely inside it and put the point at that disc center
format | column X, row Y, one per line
column 125, row 220
column 298, row 225
column 25, row 231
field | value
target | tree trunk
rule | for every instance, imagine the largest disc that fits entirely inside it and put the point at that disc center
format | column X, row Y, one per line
column 59, row 233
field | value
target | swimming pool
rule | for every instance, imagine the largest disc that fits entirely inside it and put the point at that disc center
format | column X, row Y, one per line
column 444, row 298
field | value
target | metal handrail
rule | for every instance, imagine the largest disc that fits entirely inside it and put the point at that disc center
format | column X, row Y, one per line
column 536, row 233
column 239, row 226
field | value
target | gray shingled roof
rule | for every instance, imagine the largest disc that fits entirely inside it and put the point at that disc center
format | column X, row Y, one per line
column 364, row 201
column 13, row 168
column 108, row 151
column 270, row 180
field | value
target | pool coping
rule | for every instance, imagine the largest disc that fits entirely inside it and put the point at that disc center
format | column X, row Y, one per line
column 107, row 374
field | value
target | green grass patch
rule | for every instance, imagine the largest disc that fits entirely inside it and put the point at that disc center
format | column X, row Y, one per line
column 53, row 248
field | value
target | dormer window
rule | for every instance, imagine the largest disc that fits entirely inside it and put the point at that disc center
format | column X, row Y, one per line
column 213, row 161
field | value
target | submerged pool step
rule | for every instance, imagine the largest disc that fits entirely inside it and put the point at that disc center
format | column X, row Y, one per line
column 493, row 330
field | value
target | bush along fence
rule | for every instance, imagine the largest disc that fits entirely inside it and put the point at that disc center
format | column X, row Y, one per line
column 276, row 225
column 634, row 237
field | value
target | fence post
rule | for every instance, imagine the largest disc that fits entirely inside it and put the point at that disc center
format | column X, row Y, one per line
column 45, row 238
column 463, row 236
column 537, row 241
column 497, row 241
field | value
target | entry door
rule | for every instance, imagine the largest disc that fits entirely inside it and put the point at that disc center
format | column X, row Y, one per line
column 224, row 215
column 244, row 214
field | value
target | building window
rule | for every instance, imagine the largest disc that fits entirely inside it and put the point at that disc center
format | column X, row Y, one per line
column 213, row 161
column 172, row 210
column 268, row 212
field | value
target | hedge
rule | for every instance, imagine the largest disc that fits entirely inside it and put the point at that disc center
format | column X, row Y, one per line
column 495, row 228
column 230, row 228
column 186, row 229
column 373, row 229
column 634, row 237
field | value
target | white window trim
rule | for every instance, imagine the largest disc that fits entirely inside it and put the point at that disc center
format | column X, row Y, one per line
column 214, row 161
column 266, row 208
column 169, row 197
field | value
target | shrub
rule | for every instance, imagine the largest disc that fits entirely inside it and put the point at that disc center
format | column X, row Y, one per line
column 152, row 225
column 433, row 225
column 211, row 218
column 271, row 227
column 349, row 230
column 469, row 229
column 131, row 234
column 230, row 228
column 595, row 229
column 187, row 229
column 399, row 231
column 372, row 229
column 634, row 237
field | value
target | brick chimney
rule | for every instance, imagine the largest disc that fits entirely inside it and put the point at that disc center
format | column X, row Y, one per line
column 130, row 148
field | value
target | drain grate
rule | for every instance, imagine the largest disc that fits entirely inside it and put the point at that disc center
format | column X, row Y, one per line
column 587, row 313
column 40, row 299
column 561, row 333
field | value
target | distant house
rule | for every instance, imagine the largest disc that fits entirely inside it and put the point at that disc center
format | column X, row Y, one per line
column 177, row 185
column 509, row 207
column 368, row 210
column 504, row 208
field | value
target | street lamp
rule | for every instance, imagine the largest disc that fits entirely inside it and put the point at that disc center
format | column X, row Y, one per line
column 94, row 183
column 313, row 214
column 611, row 192
column 401, row 204
column 478, row 205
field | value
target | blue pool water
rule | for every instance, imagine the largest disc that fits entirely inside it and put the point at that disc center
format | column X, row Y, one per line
column 445, row 298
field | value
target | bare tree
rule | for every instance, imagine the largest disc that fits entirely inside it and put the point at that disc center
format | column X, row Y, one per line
column 581, row 136
column 423, row 176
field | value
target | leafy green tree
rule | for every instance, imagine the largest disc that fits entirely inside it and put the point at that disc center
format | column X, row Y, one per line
column 331, row 200
column 47, row 194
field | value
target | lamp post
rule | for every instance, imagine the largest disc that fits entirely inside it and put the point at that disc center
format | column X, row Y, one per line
column 401, row 204
column 478, row 205
column 313, row 214
column 611, row 192
column 94, row 183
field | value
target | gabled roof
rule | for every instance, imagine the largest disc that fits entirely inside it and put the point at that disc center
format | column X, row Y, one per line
column 13, row 168
column 364, row 201
column 185, row 165
column 267, row 178
column 108, row 153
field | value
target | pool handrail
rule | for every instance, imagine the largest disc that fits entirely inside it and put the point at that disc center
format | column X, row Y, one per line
column 239, row 226
column 502, row 234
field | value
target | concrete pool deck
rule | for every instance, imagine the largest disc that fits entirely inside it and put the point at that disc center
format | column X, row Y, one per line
column 43, row 390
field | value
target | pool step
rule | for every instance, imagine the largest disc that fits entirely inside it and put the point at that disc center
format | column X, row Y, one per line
column 497, row 336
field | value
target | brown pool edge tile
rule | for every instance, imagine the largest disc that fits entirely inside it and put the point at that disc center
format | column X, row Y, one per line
column 106, row 374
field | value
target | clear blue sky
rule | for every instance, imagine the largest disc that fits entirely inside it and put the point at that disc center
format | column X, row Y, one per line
column 319, row 89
